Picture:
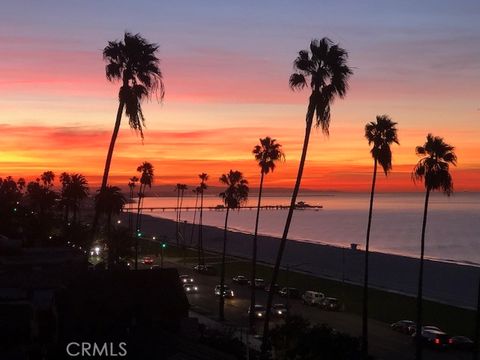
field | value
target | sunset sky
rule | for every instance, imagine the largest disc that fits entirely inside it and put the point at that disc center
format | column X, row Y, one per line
column 226, row 66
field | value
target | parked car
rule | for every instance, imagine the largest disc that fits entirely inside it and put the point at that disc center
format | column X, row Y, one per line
column 279, row 310
column 227, row 293
column 240, row 280
column 313, row 298
column 275, row 287
column 186, row 279
column 461, row 343
column 290, row 292
column 412, row 329
column 259, row 311
column 190, row 288
column 155, row 267
column 205, row 269
column 434, row 338
column 402, row 326
column 259, row 283
column 147, row 260
column 330, row 303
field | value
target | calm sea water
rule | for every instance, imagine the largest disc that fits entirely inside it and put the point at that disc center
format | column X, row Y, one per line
column 453, row 228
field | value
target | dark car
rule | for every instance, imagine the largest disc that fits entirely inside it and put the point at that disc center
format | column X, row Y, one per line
column 258, row 284
column 290, row 292
column 413, row 328
column 147, row 260
column 279, row 310
column 186, row 279
column 275, row 287
column 259, row 311
column 205, row 269
column 434, row 338
column 190, row 288
column 402, row 326
column 227, row 293
column 461, row 343
column 330, row 303
column 240, row 280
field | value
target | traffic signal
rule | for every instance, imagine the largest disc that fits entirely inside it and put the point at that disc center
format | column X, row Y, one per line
column 164, row 245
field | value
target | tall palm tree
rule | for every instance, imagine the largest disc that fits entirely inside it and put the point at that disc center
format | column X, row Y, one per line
column 325, row 66
column 109, row 202
column 381, row 134
column 267, row 153
column 77, row 190
column 146, row 179
column 134, row 62
column 233, row 197
column 196, row 191
column 132, row 183
column 65, row 201
column 202, row 187
column 433, row 169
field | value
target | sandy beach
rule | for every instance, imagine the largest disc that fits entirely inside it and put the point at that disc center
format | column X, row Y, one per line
column 444, row 282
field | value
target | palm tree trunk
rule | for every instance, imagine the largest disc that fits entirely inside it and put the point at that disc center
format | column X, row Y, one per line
column 251, row 317
column 137, row 227
column 177, row 226
column 108, row 161
column 110, row 248
column 309, row 121
column 130, row 215
column 193, row 222
column 418, row 348
column 201, row 257
column 365, row 276
column 221, row 303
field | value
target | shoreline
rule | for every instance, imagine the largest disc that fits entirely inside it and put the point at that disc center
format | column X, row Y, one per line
column 446, row 282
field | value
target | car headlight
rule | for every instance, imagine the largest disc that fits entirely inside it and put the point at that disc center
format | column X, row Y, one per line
column 280, row 312
column 195, row 288
column 259, row 314
column 231, row 293
column 188, row 289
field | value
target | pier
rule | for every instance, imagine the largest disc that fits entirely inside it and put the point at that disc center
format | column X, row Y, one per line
column 221, row 208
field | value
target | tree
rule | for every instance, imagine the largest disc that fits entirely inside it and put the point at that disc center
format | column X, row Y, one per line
column 266, row 154
column 180, row 189
column 233, row 197
column 326, row 67
column 196, row 191
column 75, row 191
column 110, row 202
column 202, row 187
column 433, row 169
column 134, row 62
column 10, row 199
column 146, row 179
column 131, row 186
column 381, row 134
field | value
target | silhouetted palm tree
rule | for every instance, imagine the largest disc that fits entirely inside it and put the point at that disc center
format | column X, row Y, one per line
column 109, row 202
column 381, row 134
column 131, row 185
column 146, row 179
column 47, row 178
column 134, row 62
column 65, row 201
column 182, row 189
column 266, row 154
column 202, row 187
column 325, row 65
column 233, row 197
column 196, row 191
column 433, row 170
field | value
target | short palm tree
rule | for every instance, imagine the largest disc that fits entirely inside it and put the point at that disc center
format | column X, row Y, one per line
column 233, row 197
column 381, row 134
column 267, row 153
column 323, row 68
column 434, row 170
column 146, row 179
column 132, row 183
column 202, row 187
column 109, row 202
column 77, row 191
column 196, row 191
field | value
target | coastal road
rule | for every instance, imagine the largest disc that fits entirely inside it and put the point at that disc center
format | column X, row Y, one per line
column 384, row 342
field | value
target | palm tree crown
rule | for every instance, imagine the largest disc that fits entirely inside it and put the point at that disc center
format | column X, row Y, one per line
column 382, row 134
column 325, row 66
column 146, row 170
column 237, row 189
column 267, row 153
column 109, row 201
column 433, row 167
column 134, row 62
column 132, row 183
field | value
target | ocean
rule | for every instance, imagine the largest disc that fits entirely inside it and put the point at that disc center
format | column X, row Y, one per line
column 452, row 235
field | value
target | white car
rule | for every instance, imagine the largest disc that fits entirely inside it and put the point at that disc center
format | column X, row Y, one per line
column 313, row 298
